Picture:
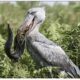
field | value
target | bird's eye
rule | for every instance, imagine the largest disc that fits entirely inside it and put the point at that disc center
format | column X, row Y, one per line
column 32, row 13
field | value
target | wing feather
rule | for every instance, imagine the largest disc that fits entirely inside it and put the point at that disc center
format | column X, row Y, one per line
column 51, row 53
column 48, row 50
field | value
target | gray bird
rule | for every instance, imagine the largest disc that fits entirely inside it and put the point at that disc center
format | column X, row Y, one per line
column 42, row 50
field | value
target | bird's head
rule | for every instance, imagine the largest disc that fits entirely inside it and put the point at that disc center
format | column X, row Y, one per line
column 34, row 17
column 37, row 13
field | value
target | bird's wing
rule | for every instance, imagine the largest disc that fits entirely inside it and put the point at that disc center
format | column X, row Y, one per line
column 51, row 52
column 45, row 50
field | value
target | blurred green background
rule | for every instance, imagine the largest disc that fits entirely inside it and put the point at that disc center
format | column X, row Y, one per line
column 62, row 25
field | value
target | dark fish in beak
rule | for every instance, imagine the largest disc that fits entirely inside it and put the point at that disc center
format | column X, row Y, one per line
column 19, row 46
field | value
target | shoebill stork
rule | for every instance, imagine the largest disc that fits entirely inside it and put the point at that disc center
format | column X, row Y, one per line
column 42, row 50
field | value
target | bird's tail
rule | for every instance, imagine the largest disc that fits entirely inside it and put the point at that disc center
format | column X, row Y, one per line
column 73, row 70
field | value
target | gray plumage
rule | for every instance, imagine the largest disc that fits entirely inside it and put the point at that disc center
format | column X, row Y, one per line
column 47, row 53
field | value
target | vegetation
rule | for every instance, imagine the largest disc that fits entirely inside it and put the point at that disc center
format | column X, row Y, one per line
column 62, row 25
